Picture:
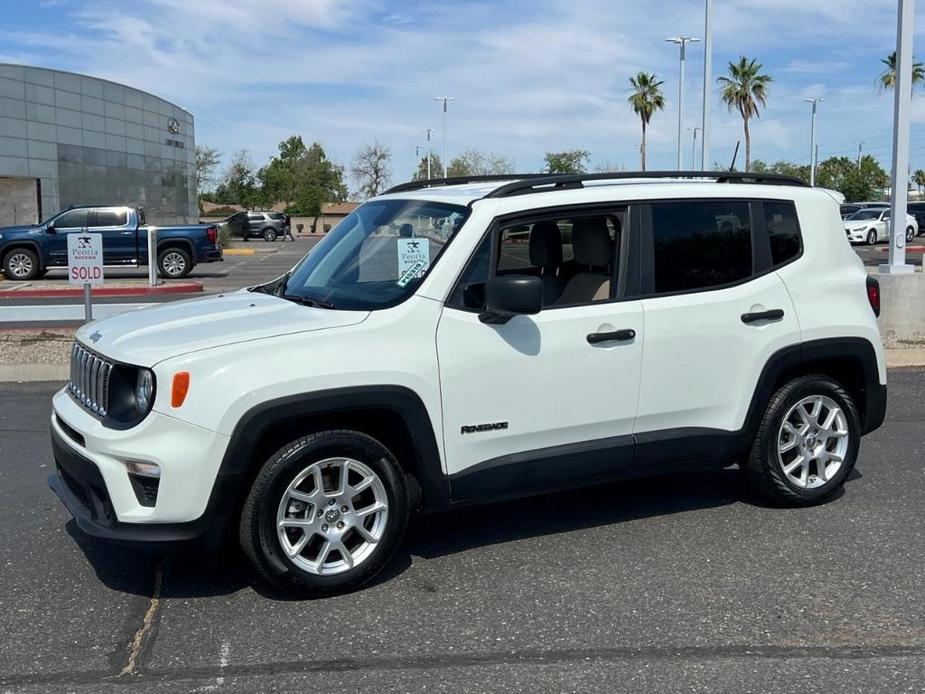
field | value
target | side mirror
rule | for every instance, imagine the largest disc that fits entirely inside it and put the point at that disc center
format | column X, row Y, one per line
column 50, row 228
column 507, row 296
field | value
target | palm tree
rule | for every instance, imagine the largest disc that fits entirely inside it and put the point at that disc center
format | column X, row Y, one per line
column 743, row 90
column 887, row 78
column 918, row 177
column 646, row 99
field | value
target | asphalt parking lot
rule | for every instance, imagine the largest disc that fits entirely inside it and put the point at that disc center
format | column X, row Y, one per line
column 680, row 583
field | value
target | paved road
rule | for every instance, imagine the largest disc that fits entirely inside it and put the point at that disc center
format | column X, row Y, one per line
column 675, row 584
column 874, row 255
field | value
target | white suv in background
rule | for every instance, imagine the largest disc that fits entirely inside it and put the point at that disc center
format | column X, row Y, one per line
column 456, row 342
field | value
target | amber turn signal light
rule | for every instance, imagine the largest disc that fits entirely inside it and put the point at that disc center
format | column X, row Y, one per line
column 180, row 388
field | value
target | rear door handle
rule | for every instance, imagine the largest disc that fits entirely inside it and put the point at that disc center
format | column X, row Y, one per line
column 614, row 336
column 773, row 314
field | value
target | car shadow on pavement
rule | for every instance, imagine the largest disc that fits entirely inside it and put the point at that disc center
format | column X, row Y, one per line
column 192, row 574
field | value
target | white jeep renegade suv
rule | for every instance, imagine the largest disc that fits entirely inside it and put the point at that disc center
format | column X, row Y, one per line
column 454, row 342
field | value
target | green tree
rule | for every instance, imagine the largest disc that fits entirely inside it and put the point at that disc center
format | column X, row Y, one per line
column 472, row 162
column 918, row 178
column 238, row 185
column 744, row 89
column 436, row 168
column 303, row 178
column 573, row 161
column 207, row 159
column 864, row 182
column 372, row 169
column 646, row 98
column 785, row 168
column 887, row 78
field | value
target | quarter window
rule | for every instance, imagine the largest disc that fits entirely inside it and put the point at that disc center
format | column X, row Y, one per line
column 700, row 244
column 108, row 218
column 783, row 231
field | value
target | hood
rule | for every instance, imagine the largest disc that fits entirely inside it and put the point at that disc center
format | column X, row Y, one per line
column 149, row 335
column 19, row 229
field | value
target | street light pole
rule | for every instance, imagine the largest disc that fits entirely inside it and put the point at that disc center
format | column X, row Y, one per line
column 445, row 100
column 812, row 140
column 902, row 105
column 860, row 145
column 429, row 154
column 681, row 41
column 707, row 83
column 694, row 148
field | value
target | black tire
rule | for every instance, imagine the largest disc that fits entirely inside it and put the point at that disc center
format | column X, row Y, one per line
column 763, row 469
column 269, row 234
column 258, row 524
column 910, row 233
column 872, row 237
column 174, row 263
column 21, row 265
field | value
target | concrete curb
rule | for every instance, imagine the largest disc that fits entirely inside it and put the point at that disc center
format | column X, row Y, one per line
column 179, row 288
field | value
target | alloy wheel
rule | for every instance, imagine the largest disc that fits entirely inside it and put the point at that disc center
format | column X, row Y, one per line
column 812, row 441
column 20, row 265
column 174, row 264
column 332, row 516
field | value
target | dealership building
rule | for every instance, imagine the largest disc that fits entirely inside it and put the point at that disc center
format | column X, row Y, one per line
column 68, row 139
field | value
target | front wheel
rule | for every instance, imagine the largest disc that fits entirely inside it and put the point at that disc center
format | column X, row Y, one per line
column 871, row 237
column 174, row 263
column 806, row 444
column 325, row 513
column 910, row 233
column 22, row 264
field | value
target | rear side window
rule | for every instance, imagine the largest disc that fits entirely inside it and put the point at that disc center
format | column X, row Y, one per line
column 255, row 217
column 108, row 218
column 275, row 215
column 783, row 231
column 700, row 244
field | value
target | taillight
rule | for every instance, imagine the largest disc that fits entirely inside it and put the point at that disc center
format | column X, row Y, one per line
column 873, row 294
column 213, row 233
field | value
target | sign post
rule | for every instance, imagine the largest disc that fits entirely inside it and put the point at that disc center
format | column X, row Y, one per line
column 85, row 264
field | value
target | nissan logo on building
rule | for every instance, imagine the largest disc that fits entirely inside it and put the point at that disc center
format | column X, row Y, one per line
column 173, row 125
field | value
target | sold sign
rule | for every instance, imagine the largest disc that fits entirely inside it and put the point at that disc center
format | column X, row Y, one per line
column 85, row 258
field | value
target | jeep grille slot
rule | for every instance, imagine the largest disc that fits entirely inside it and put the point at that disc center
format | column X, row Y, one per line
column 89, row 382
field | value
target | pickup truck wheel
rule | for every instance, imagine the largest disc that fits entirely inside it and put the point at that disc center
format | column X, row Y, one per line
column 325, row 513
column 269, row 234
column 21, row 264
column 807, row 443
column 910, row 233
column 174, row 263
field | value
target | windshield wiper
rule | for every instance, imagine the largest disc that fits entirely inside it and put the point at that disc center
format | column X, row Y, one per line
column 305, row 301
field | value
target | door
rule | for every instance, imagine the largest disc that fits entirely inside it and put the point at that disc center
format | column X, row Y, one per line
column 546, row 400
column 70, row 222
column 116, row 226
column 715, row 312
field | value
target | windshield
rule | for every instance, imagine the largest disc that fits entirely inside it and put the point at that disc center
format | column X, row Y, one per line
column 870, row 213
column 377, row 256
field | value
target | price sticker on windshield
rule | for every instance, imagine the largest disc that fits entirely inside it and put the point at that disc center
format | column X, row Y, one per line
column 413, row 259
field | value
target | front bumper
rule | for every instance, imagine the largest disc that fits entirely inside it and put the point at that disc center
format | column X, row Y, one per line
column 91, row 477
column 857, row 236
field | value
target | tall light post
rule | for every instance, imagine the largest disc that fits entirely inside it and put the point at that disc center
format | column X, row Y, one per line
column 707, row 82
column 814, row 100
column 902, row 105
column 445, row 100
column 860, row 147
column 695, row 128
column 429, row 156
column 681, row 41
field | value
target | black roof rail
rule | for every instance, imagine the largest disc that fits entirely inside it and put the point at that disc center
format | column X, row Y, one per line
column 569, row 181
column 461, row 180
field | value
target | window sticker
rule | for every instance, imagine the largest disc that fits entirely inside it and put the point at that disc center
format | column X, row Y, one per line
column 413, row 254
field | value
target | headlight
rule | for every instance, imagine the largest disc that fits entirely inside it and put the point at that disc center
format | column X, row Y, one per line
column 144, row 391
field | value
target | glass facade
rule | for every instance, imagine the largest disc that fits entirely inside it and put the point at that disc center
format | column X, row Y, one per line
column 85, row 141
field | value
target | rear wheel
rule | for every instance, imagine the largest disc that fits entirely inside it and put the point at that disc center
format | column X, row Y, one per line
column 325, row 514
column 269, row 234
column 174, row 263
column 910, row 233
column 806, row 444
column 21, row 264
column 871, row 237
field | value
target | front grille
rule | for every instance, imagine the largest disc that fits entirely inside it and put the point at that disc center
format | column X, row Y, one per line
column 90, row 380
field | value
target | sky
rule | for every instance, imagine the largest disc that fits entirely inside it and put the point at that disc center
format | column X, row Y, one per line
column 527, row 76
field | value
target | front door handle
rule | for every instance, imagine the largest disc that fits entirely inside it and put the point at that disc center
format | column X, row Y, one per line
column 773, row 314
column 613, row 336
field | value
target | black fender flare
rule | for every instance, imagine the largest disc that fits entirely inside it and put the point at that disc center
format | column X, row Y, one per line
column 238, row 464
column 183, row 243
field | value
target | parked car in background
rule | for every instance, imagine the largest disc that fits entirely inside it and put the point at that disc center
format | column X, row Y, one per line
column 27, row 252
column 917, row 210
column 871, row 225
column 849, row 208
column 268, row 225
